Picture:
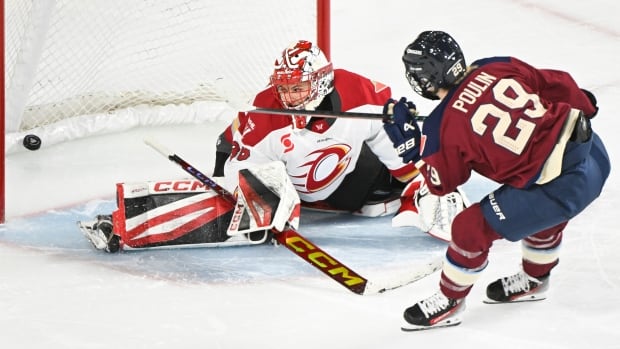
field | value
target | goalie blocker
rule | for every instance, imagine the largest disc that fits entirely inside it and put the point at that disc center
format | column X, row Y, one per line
column 186, row 213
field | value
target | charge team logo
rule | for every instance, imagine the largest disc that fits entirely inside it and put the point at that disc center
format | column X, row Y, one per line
column 287, row 143
column 325, row 166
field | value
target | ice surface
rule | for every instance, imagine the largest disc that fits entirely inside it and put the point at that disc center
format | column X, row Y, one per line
column 57, row 292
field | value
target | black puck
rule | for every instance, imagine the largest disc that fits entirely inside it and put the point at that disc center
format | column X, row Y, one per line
column 32, row 142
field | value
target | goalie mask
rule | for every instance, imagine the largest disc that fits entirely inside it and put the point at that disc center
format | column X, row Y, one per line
column 301, row 78
column 434, row 60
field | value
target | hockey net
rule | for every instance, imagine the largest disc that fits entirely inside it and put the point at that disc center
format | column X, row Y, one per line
column 77, row 67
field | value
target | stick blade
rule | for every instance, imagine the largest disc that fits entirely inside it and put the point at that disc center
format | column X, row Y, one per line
column 158, row 147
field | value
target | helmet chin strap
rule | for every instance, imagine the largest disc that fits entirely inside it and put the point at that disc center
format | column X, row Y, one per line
column 430, row 95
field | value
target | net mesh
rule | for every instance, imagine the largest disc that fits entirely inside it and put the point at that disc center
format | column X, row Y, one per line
column 67, row 58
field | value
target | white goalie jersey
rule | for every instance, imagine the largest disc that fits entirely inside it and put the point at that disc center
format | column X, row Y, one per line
column 318, row 152
column 316, row 162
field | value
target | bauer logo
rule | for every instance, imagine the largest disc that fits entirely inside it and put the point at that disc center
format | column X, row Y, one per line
column 496, row 208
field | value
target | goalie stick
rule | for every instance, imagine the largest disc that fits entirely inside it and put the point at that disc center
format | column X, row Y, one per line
column 325, row 113
column 309, row 251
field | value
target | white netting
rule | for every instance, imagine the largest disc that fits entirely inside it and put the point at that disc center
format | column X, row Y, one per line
column 69, row 58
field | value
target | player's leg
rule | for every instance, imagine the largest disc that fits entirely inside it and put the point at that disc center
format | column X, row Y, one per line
column 466, row 258
column 540, row 255
column 545, row 209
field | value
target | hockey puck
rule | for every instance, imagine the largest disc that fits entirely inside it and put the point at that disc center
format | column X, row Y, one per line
column 32, row 142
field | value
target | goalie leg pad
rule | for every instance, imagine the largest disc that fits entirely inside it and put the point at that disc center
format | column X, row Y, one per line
column 445, row 209
column 408, row 215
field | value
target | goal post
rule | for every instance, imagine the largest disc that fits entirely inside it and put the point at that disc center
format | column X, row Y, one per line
column 105, row 65
column 2, row 113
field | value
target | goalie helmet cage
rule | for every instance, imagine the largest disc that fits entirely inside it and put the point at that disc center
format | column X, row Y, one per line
column 84, row 66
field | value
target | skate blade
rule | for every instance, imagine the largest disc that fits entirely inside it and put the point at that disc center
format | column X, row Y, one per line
column 95, row 238
column 407, row 327
column 525, row 298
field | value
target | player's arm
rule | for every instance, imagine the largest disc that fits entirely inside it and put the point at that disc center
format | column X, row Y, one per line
column 380, row 144
column 559, row 86
column 358, row 93
column 250, row 148
column 223, row 145
column 443, row 169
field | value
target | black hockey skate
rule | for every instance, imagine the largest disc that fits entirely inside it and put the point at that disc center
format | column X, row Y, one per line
column 100, row 234
column 434, row 312
column 517, row 288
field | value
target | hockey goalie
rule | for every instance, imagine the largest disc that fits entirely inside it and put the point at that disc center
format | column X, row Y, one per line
column 186, row 213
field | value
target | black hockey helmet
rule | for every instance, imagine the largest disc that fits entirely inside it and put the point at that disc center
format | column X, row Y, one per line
column 434, row 60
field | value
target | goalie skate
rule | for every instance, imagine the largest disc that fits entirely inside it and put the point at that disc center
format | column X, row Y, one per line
column 99, row 233
column 96, row 238
column 96, row 235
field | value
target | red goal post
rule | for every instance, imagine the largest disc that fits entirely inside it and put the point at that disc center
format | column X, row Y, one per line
column 69, row 64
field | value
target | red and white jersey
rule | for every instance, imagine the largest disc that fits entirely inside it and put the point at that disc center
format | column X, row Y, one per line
column 318, row 157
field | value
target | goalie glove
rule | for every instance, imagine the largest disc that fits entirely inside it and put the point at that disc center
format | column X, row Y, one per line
column 430, row 213
column 266, row 199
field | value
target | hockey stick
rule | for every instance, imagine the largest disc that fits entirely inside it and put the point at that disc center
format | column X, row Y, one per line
column 325, row 113
column 192, row 171
column 307, row 250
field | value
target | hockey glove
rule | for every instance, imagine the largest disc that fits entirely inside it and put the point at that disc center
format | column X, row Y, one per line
column 592, row 99
column 400, row 125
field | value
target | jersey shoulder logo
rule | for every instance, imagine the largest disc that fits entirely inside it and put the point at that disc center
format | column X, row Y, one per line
column 379, row 86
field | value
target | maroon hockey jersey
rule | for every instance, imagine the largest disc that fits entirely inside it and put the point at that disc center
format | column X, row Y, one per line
column 502, row 121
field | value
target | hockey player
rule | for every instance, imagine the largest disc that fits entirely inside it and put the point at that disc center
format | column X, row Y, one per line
column 525, row 128
column 335, row 164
